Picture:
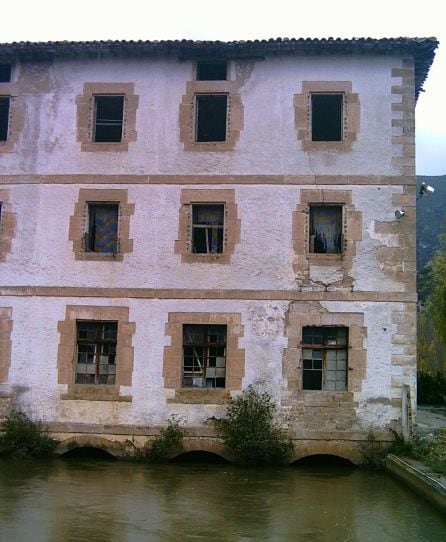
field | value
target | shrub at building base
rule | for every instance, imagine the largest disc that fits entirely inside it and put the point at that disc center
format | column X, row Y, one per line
column 24, row 438
column 249, row 429
column 169, row 438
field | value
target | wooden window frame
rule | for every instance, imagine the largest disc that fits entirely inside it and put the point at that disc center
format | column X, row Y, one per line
column 79, row 223
column 325, row 348
column 206, row 346
column 86, row 116
column 231, row 225
column 67, row 353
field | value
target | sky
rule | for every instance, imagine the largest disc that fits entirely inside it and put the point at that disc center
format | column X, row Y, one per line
column 227, row 20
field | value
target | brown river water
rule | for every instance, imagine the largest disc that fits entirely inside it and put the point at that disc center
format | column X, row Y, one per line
column 102, row 501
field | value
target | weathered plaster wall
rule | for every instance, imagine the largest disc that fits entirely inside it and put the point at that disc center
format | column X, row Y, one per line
column 268, row 142
column 33, row 373
column 42, row 253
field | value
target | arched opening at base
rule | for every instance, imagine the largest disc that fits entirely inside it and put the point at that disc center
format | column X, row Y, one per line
column 88, row 452
column 199, row 456
column 323, row 461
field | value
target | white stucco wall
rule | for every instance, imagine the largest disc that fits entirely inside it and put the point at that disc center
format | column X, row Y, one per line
column 268, row 142
column 33, row 375
column 42, row 253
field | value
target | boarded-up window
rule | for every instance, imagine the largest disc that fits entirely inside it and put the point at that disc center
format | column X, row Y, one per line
column 204, row 356
column 102, row 234
column 326, row 235
column 4, row 117
column 326, row 117
column 207, row 228
column 96, row 352
column 211, row 117
column 324, row 358
column 108, row 121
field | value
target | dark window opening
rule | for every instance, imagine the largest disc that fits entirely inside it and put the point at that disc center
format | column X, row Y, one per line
column 211, row 117
column 96, row 352
column 324, row 358
column 326, row 235
column 4, row 117
column 102, row 234
column 211, row 70
column 5, row 73
column 207, row 228
column 204, row 356
column 326, row 117
column 109, row 115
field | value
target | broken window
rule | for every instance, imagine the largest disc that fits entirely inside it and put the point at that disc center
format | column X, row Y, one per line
column 96, row 352
column 211, row 117
column 4, row 117
column 326, row 235
column 211, row 70
column 102, row 234
column 5, row 73
column 108, row 120
column 324, row 358
column 207, row 228
column 327, row 117
column 204, row 356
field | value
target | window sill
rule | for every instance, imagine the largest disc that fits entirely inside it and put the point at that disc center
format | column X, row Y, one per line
column 326, row 146
column 206, row 258
column 99, row 256
column 325, row 397
column 86, row 392
column 324, row 259
column 121, row 146
column 206, row 396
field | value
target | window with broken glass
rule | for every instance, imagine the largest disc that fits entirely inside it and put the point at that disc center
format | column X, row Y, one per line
column 102, row 233
column 326, row 235
column 108, row 118
column 208, row 228
column 4, row 117
column 96, row 352
column 204, row 356
column 327, row 117
column 324, row 358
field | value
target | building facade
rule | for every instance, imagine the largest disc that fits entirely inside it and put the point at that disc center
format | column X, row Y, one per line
column 180, row 220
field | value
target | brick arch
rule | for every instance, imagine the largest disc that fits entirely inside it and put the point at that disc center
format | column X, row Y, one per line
column 88, row 441
column 204, row 445
column 344, row 449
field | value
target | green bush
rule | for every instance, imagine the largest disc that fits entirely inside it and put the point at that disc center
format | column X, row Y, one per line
column 373, row 452
column 170, row 437
column 249, row 429
column 431, row 388
column 24, row 438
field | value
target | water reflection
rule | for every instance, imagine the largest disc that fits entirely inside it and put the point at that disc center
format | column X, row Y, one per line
column 87, row 500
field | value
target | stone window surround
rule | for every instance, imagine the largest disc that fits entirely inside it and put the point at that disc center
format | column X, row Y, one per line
column 352, row 228
column 234, row 119
column 231, row 232
column 16, row 115
column 173, row 357
column 357, row 354
column 5, row 342
column 66, row 355
column 7, row 225
column 302, row 115
column 86, row 110
column 79, row 222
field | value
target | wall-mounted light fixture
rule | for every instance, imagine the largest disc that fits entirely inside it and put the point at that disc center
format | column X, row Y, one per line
column 399, row 213
column 425, row 190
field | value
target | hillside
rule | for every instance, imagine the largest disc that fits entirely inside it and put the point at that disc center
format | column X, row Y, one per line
column 431, row 218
